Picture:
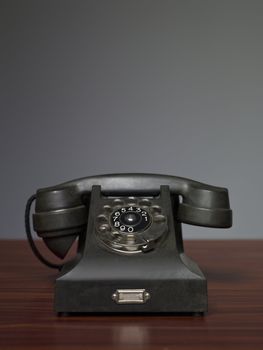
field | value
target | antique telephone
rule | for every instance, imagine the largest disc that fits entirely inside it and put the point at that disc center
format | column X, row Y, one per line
column 130, row 254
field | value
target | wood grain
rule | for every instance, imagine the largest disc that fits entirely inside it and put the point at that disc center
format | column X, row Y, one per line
column 234, row 270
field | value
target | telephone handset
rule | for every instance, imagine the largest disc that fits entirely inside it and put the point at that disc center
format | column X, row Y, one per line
column 130, row 250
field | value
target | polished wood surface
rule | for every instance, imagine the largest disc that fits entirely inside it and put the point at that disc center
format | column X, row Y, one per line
column 234, row 270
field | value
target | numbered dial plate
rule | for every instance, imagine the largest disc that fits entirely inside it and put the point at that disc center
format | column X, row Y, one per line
column 130, row 225
column 130, row 219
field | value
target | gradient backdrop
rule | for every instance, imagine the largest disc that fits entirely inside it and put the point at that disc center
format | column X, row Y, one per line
column 173, row 87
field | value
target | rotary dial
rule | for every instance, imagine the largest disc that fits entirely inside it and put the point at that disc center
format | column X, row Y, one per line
column 130, row 219
column 130, row 225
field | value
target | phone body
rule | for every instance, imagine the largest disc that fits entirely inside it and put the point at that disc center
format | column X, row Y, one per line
column 130, row 254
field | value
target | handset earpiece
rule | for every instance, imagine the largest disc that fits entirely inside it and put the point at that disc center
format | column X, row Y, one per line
column 205, row 205
column 60, row 216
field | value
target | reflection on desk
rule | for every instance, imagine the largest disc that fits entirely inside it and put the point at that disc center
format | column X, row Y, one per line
column 234, row 320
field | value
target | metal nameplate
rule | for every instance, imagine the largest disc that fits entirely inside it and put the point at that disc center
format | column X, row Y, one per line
column 130, row 296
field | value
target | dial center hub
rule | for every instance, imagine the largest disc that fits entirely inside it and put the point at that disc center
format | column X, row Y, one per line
column 130, row 218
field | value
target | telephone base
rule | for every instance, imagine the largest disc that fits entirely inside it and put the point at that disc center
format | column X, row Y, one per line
column 178, row 289
column 162, row 279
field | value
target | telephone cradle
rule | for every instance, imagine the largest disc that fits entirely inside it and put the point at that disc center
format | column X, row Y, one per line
column 130, row 255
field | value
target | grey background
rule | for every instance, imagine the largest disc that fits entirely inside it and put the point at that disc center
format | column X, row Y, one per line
column 90, row 87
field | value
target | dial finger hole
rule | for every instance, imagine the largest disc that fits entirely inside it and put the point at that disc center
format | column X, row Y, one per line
column 156, row 209
column 118, row 201
column 102, row 218
column 104, row 228
column 159, row 218
column 145, row 202
column 131, row 205
column 107, row 208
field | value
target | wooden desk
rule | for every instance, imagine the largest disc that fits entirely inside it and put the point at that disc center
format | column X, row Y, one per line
column 234, row 270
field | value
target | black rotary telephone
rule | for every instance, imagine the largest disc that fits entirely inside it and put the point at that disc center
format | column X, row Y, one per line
column 130, row 254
